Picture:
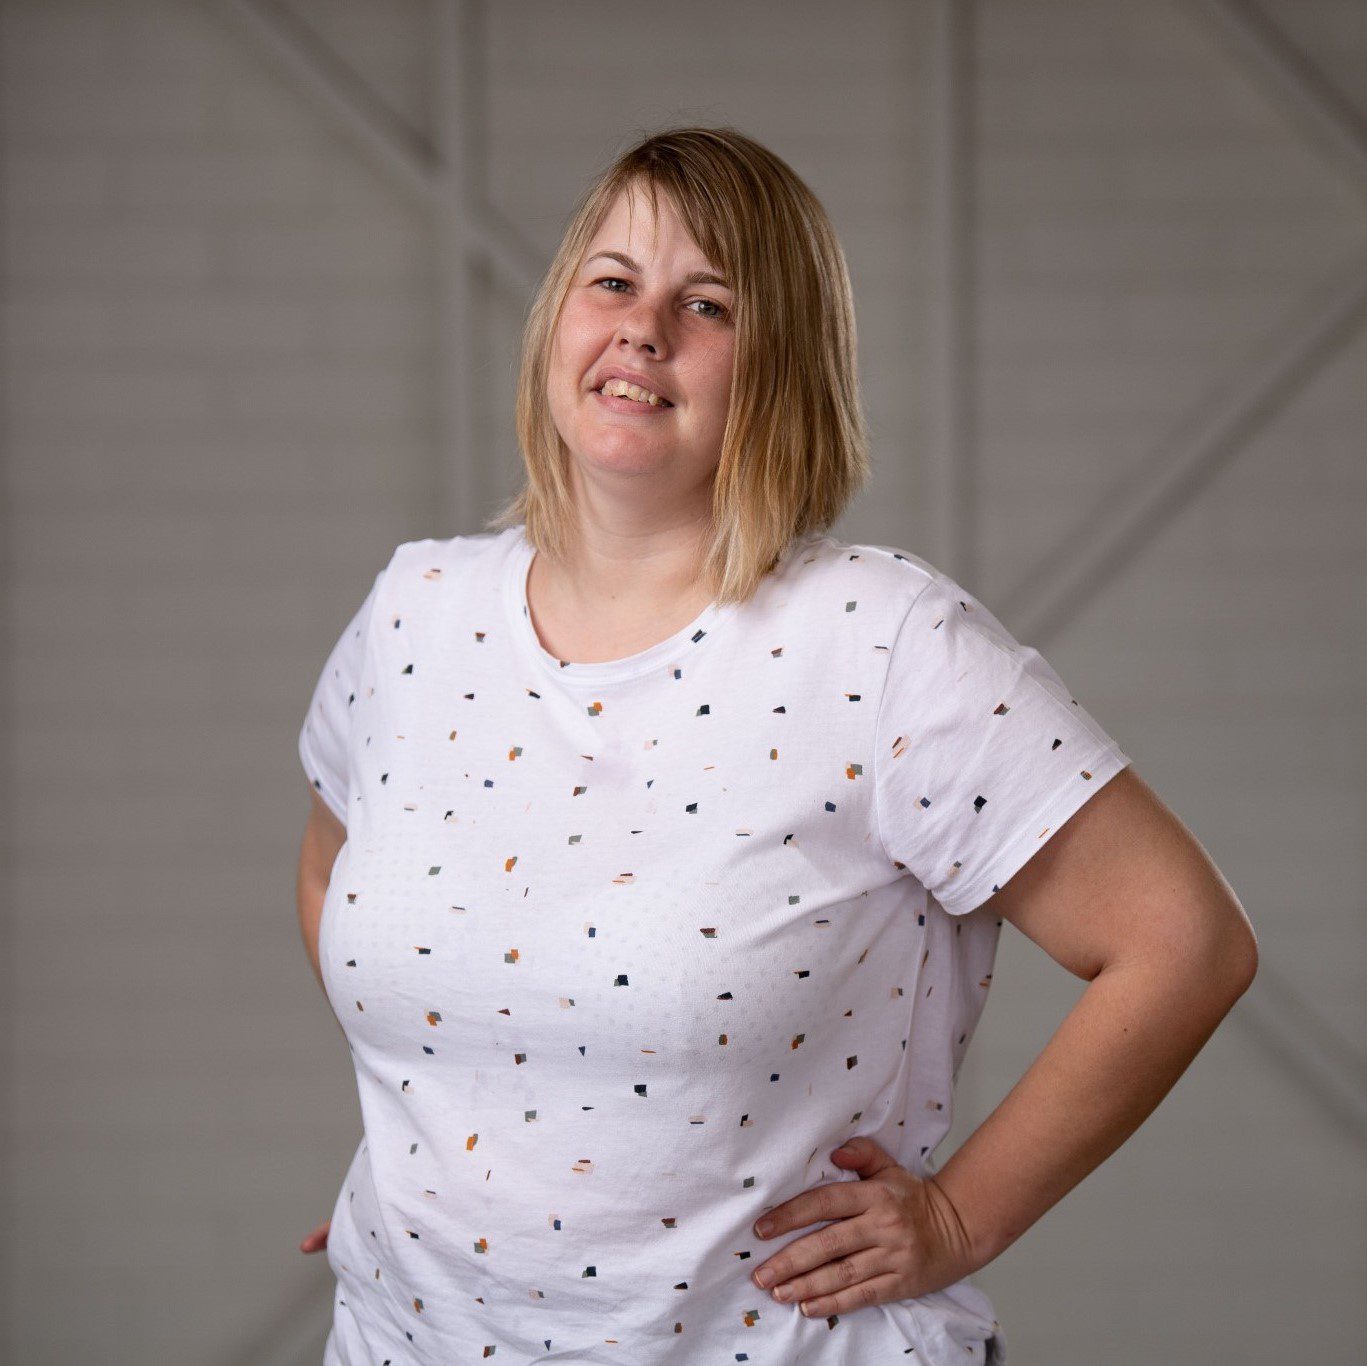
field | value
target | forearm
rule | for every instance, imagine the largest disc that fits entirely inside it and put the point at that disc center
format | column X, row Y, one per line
column 1118, row 1052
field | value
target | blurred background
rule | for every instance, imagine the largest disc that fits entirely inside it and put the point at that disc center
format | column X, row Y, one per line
column 265, row 268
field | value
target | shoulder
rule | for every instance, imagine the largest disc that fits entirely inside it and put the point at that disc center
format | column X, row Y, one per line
column 879, row 579
column 432, row 582
column 436, row 560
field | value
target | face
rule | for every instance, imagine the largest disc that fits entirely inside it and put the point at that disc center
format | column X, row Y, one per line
column 636, row 303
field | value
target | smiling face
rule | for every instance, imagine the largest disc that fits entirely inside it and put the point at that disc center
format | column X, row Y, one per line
column 643, row 308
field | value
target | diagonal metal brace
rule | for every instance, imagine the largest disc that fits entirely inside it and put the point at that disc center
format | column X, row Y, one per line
column 405, row 155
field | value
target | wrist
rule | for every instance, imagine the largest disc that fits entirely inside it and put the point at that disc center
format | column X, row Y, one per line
column 983, row 1238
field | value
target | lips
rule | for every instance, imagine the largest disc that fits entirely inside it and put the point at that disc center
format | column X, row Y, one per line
column 641, row 381
column 631, row 407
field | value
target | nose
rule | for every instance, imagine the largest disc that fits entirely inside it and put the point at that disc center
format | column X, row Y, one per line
column 639, row 329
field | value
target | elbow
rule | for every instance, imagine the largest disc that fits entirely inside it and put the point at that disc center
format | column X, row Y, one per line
column 1247, row 957
column 1218, row 952
column 1231, row 946
column 1233, row 958
column 1242, row 950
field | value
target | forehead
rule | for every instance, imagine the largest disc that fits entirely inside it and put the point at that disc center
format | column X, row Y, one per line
column 631, row 225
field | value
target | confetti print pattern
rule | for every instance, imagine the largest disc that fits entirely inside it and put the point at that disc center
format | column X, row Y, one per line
column 622, row 950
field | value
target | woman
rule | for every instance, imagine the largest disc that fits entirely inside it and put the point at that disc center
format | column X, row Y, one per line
column 661, row 843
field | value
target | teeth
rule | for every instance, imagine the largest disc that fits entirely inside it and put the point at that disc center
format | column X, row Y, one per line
column 620, row 388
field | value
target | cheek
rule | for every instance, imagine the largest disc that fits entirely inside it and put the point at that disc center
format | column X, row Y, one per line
column 567, row 365
column 579, row 328
column 719, row 388
column 568, row 338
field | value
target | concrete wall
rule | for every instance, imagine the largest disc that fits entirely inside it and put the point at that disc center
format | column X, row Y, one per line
column 225, row 401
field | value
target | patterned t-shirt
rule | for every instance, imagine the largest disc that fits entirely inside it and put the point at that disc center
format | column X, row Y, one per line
column 623, row 950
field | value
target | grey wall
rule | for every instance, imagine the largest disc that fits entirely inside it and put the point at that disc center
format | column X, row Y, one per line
column 1113, row 354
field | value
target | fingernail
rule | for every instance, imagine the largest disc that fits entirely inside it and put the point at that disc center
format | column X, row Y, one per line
column 764, row 1227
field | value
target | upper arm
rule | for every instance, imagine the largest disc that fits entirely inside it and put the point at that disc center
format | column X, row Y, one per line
column 324, row 836
column 325, row 736
column 1123, row 876
column 982, row 754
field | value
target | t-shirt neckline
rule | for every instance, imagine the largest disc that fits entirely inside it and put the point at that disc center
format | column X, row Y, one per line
column 673, row 650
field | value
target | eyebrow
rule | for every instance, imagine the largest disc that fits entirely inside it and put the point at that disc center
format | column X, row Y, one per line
column 697, row 277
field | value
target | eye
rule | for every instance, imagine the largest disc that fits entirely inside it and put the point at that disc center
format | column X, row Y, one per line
column 721, row 310
column 712, row 303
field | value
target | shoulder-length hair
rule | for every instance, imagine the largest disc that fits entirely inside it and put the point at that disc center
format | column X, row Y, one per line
column 795, row 445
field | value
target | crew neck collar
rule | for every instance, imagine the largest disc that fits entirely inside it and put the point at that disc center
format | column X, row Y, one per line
column 675, row 650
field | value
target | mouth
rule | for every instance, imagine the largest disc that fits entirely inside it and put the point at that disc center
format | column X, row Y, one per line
column 629, row 406
column 626, row 397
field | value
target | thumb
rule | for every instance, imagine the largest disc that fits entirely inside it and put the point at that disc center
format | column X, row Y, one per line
column 863, row 1155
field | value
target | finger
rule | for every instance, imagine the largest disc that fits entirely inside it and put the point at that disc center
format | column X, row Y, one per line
column 876, row 1290
column 863, row 1155
column 840, row 1239
column 835, row 1277
column 834, row 1200
column 317, row 1239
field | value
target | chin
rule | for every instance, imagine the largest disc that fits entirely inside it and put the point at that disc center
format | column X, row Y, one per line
column 627, row 462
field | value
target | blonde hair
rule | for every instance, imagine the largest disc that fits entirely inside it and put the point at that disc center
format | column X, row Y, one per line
column 795, row 445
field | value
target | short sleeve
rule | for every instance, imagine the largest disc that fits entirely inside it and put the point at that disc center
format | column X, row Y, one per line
column 324, row 736
column 981, row 753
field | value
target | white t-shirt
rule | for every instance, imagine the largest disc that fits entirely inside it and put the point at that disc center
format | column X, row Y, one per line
column 623, row 950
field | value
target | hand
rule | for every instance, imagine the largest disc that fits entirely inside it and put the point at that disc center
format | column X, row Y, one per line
column 317, row 1240
column 896, row 1236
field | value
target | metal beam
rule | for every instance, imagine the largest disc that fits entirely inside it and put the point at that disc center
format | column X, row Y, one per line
column 457, row 481
column 1132, row 515
column 1129, row 517
column 340, row 92
column 1313, row 100
column 1092, row 556
column 404, row 155
column 955, row 441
